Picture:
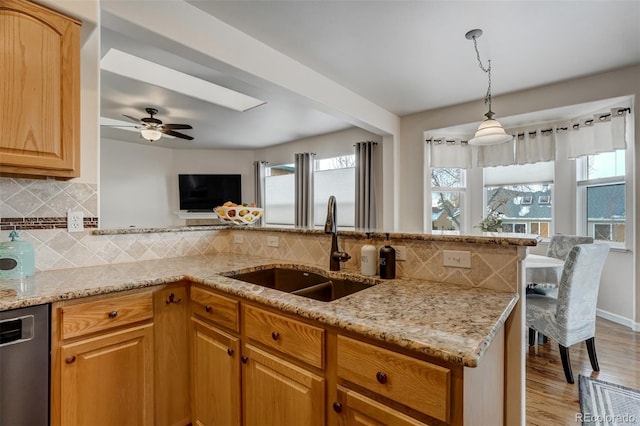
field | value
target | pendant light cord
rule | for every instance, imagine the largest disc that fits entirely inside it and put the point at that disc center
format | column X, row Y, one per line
column 487, row 97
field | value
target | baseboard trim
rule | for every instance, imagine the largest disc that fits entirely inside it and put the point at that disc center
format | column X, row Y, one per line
column 618, row 319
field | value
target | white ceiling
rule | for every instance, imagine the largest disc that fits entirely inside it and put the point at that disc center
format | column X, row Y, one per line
column 405, row 56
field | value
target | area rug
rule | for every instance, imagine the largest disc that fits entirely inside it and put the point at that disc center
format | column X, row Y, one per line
column 604, row 404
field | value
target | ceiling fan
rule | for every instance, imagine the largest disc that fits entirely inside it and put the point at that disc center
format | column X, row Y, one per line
column 152, row 129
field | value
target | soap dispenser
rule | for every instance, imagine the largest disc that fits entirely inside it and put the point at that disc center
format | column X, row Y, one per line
column 368, row 258
column 17, row 258
column 387, row 260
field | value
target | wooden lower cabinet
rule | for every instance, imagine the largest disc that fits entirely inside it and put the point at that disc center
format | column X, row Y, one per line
column 108, row 379
column 279, row 393
column 355, row 409
column 171, row 341
column 215, row 376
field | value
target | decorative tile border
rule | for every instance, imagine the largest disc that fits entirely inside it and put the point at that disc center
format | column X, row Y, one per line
column 22, row 223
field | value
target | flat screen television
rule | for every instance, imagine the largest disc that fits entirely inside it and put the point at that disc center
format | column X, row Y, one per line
column 201, row 193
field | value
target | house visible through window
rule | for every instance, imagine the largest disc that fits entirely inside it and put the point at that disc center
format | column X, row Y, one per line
column 523, row 205
column 602, row 196
column 448, row 186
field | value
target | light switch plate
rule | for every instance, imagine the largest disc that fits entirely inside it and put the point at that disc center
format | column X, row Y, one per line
column 237, row 238
column 272, row 241
column 457, row 258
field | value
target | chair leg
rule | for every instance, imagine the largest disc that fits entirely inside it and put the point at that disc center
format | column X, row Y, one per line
column 532, row 336
column 591, row 349
column 566, row 363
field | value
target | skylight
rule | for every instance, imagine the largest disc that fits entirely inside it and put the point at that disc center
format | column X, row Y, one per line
column 136, row 68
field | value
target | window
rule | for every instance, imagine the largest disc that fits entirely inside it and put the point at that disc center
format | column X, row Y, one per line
column 448, row 186
column 335, row 176
column 602, row 196
column 280, row 195
column 523, row 205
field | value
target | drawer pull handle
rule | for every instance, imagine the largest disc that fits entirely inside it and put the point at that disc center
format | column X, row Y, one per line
column 70, row 360
column 381, row 377
column 113, row 314
column 275, row 335
column 337, row 407
column 208, row 308
column 229, row 351
column 172, row 299
column 244, row 359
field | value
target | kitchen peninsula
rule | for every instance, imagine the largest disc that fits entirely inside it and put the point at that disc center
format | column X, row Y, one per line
column 426, row 351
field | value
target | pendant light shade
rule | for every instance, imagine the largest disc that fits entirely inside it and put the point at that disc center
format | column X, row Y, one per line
column 490, row 132
column 151, row 135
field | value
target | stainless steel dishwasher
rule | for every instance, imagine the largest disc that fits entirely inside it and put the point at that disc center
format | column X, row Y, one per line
column 24, row 366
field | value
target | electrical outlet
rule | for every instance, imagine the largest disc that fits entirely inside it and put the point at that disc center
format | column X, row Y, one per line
column 75, row 221
column 272, row 241
column 237, row 238
column 401, row 252
column 457, row 258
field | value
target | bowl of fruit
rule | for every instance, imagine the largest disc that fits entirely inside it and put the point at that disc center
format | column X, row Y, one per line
column 239, row 214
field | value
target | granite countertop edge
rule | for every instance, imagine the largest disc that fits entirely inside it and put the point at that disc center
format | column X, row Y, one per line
column 381, row 312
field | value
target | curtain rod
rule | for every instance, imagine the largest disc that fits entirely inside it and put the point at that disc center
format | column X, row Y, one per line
column 589, row 122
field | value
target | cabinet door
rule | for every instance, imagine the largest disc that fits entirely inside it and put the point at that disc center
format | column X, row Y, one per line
column 278, row 393
column 40, row 91
column 108, row 380
column 171, row 341
column 355, row 409
column 215, row 376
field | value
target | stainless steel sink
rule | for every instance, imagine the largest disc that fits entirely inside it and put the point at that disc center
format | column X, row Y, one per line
column 302, row 283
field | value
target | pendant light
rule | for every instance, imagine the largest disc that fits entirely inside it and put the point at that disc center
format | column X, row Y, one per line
column 490, row 131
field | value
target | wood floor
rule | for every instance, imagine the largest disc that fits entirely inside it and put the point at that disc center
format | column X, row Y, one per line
column 551, row 400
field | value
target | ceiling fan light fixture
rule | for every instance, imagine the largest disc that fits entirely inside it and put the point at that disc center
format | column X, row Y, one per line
column 151, row 135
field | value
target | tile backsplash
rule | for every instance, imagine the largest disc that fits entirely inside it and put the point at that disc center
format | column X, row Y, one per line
column 43, row 203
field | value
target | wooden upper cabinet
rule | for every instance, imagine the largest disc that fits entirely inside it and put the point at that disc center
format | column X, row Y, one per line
column 39, row 91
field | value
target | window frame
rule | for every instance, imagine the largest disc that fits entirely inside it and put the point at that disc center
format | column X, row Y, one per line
column 462, row 197
column 582, row 186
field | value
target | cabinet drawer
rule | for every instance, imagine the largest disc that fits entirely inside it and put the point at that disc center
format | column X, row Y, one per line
column 412, row 382
column 100, row 315
column 216, row 308
column 295, row 338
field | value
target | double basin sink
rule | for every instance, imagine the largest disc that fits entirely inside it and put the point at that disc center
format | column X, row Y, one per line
column 302, row 283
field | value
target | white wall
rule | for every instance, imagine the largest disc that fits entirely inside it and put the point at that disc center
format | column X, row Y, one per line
column 136, row 185
column 620, row 290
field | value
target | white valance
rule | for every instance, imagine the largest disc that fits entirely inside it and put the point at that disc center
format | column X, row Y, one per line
column 495, row 155
column 602, row 133
column 534, row 146
column 449, row 152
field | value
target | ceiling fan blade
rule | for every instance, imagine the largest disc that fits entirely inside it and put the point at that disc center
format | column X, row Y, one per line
column 176, row 126
column 176, row 134
column 135, row 120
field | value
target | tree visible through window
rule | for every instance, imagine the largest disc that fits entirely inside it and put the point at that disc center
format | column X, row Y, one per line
column 448, row 187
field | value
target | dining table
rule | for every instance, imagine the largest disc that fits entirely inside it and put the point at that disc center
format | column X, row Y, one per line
column 542, row 269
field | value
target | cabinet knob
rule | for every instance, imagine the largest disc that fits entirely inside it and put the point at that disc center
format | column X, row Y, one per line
column 70, row 360
column 229, row 351
column 275, row 335
column 381, row 377
column 208, row 308
column 337, row 407
column 113, row 314
column 244, row 359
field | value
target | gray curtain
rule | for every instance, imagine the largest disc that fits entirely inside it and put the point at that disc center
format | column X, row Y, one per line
column 259, row 181
column 305, row 165
column 365, row 186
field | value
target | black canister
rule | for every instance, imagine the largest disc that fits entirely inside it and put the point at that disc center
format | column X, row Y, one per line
column 387, row 260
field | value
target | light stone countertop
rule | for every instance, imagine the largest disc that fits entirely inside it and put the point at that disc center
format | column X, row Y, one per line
column 450, row 322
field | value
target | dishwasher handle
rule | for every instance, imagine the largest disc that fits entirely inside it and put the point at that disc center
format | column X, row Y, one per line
column 16, row 330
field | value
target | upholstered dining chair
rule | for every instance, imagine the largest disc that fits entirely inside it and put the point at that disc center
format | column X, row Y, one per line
column 545, row 281
column 571, row 317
